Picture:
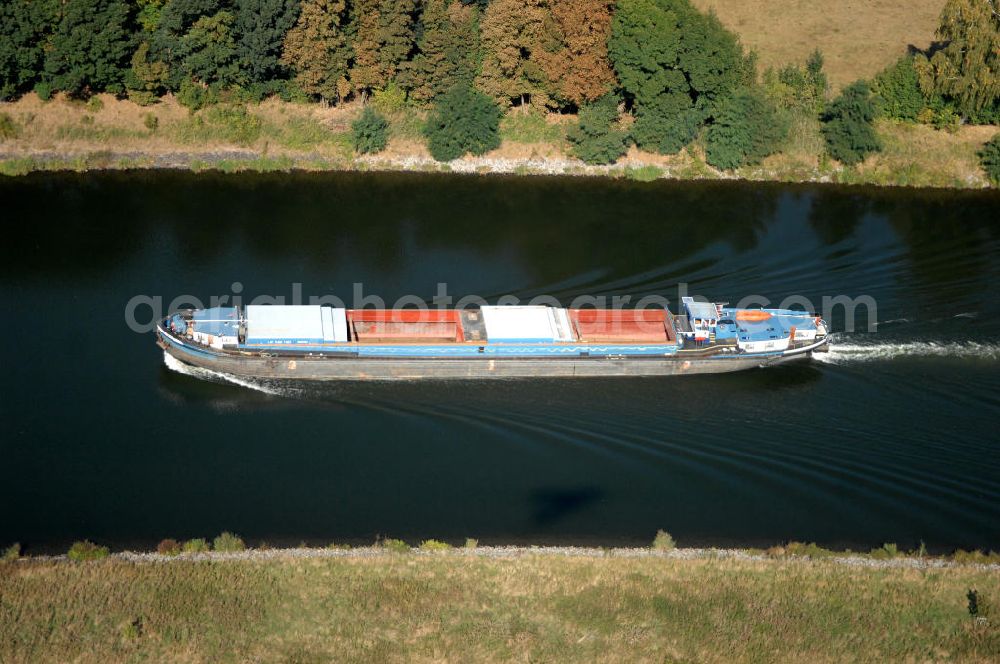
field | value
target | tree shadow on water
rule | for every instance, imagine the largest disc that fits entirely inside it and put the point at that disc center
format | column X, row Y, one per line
column 552, row 504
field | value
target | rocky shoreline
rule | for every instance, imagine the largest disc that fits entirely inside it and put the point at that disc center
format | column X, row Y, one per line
column 513, row 552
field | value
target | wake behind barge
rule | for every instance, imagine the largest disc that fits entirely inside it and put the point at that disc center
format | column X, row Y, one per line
column 327, row 343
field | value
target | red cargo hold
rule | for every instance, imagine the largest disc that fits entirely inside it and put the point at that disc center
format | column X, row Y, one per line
column 404, row 325
column 622, row 326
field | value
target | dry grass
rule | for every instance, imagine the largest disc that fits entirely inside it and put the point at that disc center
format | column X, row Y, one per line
column 858, row 37
column 449, row 606
column 276, row 135
column 920, row 156
column 72, row 127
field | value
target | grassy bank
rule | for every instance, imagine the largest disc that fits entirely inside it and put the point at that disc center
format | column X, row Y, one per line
column 108, row 133
column 462, row 605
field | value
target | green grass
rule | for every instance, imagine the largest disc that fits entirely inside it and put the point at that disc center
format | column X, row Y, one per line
column 226, row 124
column 519, row 127
column 457, row 606
column 408, row 125
column 646, row 173
column 297, row 133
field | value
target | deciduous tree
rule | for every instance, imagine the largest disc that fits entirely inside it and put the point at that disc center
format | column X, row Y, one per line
column 746, row 129
column 575, row 57
column 318, row 50
column 385, row 39
column 209, row 51
column 91, row 46
column 676, row 65
column 260, row 27
column 25, row 26
column 967, row 67
column 174, row 20
column 512, row 32
column 847, row 125
column 898, row 89
column 448, row 50
column 463, row 120
column 596, row 139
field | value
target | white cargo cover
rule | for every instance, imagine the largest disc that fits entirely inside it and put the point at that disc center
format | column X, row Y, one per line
column 280, row 324
column 527, row 324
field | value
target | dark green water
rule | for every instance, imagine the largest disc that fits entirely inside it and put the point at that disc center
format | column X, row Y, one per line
column 893, row 438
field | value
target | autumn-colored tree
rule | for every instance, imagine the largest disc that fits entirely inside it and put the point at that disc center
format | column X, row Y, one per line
column 448, row 50
column 512, row 33
column 575, row 58
column 317, row 49
column 967, row 68
column 384, row 39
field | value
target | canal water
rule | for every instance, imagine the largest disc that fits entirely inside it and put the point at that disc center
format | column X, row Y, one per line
column 893, row 437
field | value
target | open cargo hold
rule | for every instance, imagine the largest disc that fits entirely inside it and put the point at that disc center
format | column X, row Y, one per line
column 403, row 326
column 623, row 326
column 279, row 324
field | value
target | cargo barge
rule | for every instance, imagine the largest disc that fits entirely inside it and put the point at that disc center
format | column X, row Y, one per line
column 326, row 343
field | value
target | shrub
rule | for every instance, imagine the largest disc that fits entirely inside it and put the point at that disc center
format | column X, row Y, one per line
column 228, row 543
column 86, row 550
column 434, row 545
column 370, row 132
column 946, row 119
column 663, row 541
column 665, row 132
column 44, row 90
column 463, row 120
column 151, row 122
column 8, row 128
column 197, row 545
column 94, row 104
column 396, row 545
column 976, row 557
column 194, row 96
column 168, row 547
column 847, row 125
column 747, row 128
column 898, row 91
column 595, row 139
column 471, row 543
column 887, row 550
column 390, row 100
column 799, row 88
column 12, row 552
column 973, row 597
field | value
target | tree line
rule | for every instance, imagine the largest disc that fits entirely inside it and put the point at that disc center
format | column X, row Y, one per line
column 654, row 73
